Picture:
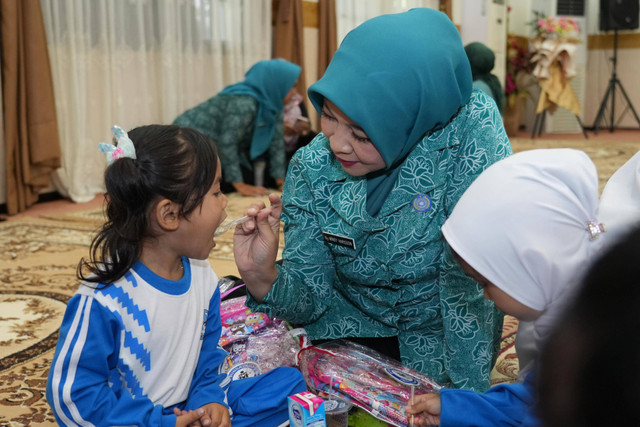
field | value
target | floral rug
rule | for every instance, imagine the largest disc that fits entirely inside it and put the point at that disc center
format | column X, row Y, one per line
column 37, row 278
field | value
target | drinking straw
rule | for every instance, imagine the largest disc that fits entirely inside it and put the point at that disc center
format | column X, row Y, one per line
column 412, row 404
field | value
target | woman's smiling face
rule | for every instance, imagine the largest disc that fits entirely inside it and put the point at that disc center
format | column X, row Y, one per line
column 349, row 142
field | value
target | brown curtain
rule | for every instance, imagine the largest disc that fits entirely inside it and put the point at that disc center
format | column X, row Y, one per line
column 32, row 146
column 446, row 7
column 289, row 37
column 327, row 34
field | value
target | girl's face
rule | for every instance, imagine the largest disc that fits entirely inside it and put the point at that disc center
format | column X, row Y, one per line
column 501, row 299
column 349, row 143
column 199, row 228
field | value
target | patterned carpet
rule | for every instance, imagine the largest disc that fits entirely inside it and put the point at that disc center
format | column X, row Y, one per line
column 37, row 266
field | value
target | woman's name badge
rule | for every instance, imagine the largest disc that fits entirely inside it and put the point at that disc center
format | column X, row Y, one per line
column 421, row 203
column 347, row 242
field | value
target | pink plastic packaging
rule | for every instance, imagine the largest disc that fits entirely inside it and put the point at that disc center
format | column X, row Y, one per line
column 364, row 377
column 256, row 343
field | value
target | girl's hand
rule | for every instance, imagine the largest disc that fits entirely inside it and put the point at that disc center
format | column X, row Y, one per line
column 188, row 418
column 210, row 415
column 215, row 415
column 255, row 246
column 425, row 408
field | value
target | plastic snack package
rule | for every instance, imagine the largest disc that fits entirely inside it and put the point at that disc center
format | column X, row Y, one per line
column 238, row 322
column 376, row 383
column 256, row 343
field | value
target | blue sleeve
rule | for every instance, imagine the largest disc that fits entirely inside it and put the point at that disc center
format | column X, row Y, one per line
column 503, row 405
column 210, row 384
column 84, row 385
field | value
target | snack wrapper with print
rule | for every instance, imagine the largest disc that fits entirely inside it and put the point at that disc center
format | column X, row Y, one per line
column 256, row 343
column 363, row 377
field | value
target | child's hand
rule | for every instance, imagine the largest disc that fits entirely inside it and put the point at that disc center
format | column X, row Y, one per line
column 425, row 408
column 215, row 415
column 188, row 418
column 207, row 416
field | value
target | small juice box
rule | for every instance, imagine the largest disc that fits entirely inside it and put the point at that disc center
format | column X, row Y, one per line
column 306, row 410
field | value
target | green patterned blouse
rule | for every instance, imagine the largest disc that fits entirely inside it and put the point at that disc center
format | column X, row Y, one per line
column 347, row 274
column 229, row 120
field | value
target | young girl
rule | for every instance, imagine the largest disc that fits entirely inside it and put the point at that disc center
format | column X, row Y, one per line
column 527, row 230
column 139, row 341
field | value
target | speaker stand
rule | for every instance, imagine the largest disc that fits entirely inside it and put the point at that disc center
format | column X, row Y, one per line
column 611, row 92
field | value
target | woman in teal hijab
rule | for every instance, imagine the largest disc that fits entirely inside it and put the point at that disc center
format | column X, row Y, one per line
column 482, row 60
column 246, row 121
column 403, row 135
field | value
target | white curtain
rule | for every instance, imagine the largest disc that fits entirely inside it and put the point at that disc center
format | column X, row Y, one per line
column 351, row 13
column 137, row 62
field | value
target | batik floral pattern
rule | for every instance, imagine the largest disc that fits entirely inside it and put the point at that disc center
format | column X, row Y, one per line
column 229, row 120
column 398, row 277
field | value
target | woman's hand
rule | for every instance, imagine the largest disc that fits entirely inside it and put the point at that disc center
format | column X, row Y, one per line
column 249, row 190
column 425, row 410
column 255, row 246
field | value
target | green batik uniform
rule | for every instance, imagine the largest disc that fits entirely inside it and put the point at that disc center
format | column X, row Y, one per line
column 229, row 120
column 399, row 278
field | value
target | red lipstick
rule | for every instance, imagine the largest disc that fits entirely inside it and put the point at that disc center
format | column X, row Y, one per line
column 346, row 163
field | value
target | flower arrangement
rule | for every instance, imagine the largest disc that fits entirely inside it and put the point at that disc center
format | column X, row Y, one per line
column 519, row 69
column 550, row 26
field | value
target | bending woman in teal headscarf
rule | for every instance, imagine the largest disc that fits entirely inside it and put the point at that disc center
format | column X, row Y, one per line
column 403, row 135
column 482, row 60
column 246, row 121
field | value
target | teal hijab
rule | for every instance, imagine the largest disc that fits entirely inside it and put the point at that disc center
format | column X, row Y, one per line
column 268, row 82
column 482, row 60
column 398, row 76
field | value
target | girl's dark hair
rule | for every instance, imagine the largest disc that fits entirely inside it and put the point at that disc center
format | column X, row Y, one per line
column 172, row 162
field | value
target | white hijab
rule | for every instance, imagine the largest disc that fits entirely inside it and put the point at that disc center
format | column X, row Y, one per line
column 523, row 225
column 620, row 201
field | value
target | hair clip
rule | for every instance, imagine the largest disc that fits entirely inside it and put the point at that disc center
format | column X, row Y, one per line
column 595, row 229
column 122, row 147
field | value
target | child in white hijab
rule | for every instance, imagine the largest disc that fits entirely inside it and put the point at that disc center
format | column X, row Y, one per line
column 527, row 230
column 618, row 208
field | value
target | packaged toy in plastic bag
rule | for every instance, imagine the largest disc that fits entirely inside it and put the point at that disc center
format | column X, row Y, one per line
column 364, row 377
column 238, row 322
column 256, row 343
